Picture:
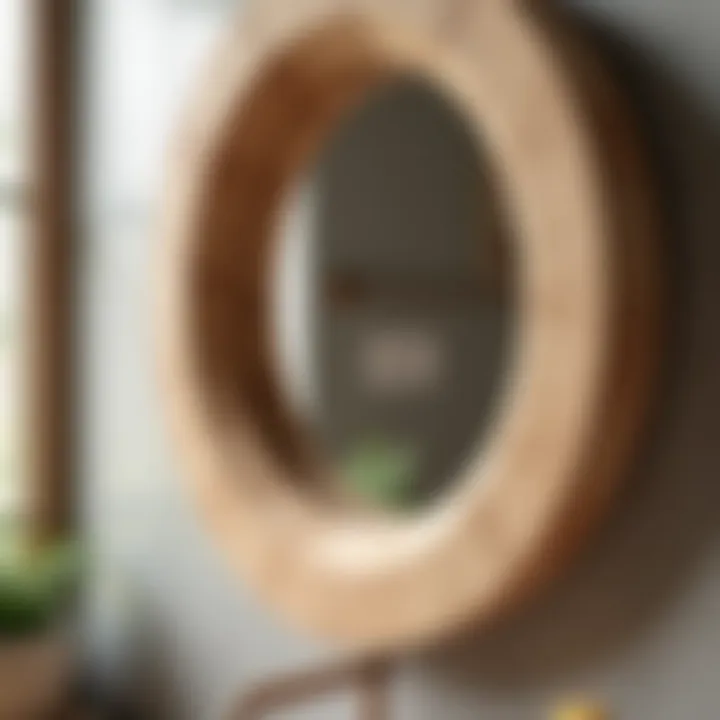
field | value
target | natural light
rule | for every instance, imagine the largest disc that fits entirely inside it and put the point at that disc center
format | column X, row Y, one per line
column 13, row 127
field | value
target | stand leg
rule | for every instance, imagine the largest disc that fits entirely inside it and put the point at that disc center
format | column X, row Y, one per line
column 368, row 677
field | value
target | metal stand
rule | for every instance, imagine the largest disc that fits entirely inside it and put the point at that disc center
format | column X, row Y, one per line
column 369, row 678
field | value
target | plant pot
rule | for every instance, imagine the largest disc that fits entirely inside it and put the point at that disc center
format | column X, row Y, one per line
column 35, row 674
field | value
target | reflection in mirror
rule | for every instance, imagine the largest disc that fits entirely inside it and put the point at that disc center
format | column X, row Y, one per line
column 392, row 299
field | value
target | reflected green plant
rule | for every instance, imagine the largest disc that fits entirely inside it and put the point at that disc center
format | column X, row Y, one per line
column 383, row 472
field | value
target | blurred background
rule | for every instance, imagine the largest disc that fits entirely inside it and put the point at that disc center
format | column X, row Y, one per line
column 167, row 632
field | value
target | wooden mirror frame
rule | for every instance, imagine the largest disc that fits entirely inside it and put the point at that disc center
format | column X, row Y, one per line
column 579, row 199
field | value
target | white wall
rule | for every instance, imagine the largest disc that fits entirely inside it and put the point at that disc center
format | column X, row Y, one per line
column 156, row 569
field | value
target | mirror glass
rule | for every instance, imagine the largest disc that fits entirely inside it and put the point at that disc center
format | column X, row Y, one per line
column 393, row 305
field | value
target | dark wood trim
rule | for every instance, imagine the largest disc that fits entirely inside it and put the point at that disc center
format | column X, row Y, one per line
column 52, row 260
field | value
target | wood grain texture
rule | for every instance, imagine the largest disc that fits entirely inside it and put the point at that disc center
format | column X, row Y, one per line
column 574, row 187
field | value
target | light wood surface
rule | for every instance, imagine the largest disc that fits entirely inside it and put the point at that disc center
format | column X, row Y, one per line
column 575, row 189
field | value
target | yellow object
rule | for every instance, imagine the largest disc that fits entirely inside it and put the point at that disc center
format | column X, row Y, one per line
column 580, row 710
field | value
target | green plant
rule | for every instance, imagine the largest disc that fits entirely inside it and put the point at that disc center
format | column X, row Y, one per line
column 36, row 587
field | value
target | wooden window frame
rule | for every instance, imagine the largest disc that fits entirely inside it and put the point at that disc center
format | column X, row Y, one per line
column 54, row 31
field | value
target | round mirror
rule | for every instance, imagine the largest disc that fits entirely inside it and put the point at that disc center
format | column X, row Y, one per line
column 405, row 261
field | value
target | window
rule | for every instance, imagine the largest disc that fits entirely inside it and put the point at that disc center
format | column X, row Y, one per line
column 36, row 235
column 14, row 83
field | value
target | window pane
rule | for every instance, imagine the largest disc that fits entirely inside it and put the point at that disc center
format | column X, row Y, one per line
column 14, row 87
column 14, row 72
column 12, row 266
